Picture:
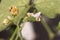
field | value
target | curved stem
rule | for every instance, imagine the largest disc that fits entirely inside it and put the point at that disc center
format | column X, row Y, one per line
column 50, row 33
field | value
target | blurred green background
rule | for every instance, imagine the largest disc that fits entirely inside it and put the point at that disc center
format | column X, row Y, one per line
column 48, row 7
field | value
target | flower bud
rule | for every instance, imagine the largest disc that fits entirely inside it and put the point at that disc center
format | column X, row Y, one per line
column 5, row 21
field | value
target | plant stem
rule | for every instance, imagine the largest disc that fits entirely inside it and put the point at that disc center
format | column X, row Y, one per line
column 50, row 33
column 13, row 34
column 19, row 33
column 16, row 37
column 17, row 28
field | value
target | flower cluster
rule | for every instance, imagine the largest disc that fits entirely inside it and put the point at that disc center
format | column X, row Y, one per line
column 37, row 15
column 14, row 10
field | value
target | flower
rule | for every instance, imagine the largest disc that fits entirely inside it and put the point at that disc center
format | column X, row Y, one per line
column 5, row 21
column 29, row 14
column 37, row 16
column 14, row 10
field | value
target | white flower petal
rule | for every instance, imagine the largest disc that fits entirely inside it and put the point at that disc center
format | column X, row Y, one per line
column 37, row 14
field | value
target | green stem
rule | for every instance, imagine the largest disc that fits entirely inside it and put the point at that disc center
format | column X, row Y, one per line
column 22, row 16
column 19, row 33
column 50, row 33
column 12, row 37
column 16, row 37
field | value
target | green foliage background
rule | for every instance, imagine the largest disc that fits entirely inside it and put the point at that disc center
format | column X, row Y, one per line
column 4, row 9
column 47, row 7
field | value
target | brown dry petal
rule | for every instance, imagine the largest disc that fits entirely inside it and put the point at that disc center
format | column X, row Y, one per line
column 14, row 10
